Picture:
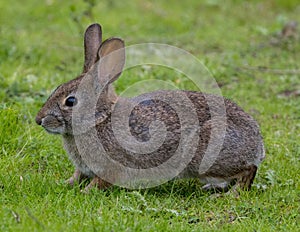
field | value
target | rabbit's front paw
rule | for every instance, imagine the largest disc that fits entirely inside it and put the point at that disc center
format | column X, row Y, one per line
column 96, row 182
column 77, row 176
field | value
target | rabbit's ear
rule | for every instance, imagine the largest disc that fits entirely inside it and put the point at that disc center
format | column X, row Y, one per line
column 112, row 60
column 92, row 42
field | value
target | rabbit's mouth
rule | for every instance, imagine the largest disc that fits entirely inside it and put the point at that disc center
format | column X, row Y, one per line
column 53, row 125
column 53, row 131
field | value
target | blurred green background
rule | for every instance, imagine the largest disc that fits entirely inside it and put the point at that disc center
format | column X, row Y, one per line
column 244, row 46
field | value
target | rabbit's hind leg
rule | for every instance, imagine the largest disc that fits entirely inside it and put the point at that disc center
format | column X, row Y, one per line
column 241, row 181
column 245, row 178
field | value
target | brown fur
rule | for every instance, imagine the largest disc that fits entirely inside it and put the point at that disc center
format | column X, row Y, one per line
column 240, row 155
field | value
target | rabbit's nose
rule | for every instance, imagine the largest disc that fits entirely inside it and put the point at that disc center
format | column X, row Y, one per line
column 38, row 120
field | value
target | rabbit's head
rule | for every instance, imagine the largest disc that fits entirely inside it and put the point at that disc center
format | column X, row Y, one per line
column 103, row 64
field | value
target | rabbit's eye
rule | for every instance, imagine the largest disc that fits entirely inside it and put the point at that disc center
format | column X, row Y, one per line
column 71, row 101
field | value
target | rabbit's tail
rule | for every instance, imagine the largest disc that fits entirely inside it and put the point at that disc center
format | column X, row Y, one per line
column 261, row 154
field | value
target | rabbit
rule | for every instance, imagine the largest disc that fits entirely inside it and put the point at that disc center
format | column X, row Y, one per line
column 234, row 167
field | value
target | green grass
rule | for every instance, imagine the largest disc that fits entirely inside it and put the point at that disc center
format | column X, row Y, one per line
column 41, row 47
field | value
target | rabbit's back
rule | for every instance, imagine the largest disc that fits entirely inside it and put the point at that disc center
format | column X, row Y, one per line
column 242, row 144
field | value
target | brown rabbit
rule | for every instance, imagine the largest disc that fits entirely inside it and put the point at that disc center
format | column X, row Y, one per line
column 236, row 163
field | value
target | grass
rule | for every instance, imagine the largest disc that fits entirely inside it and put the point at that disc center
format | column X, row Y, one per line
column 41, row 47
